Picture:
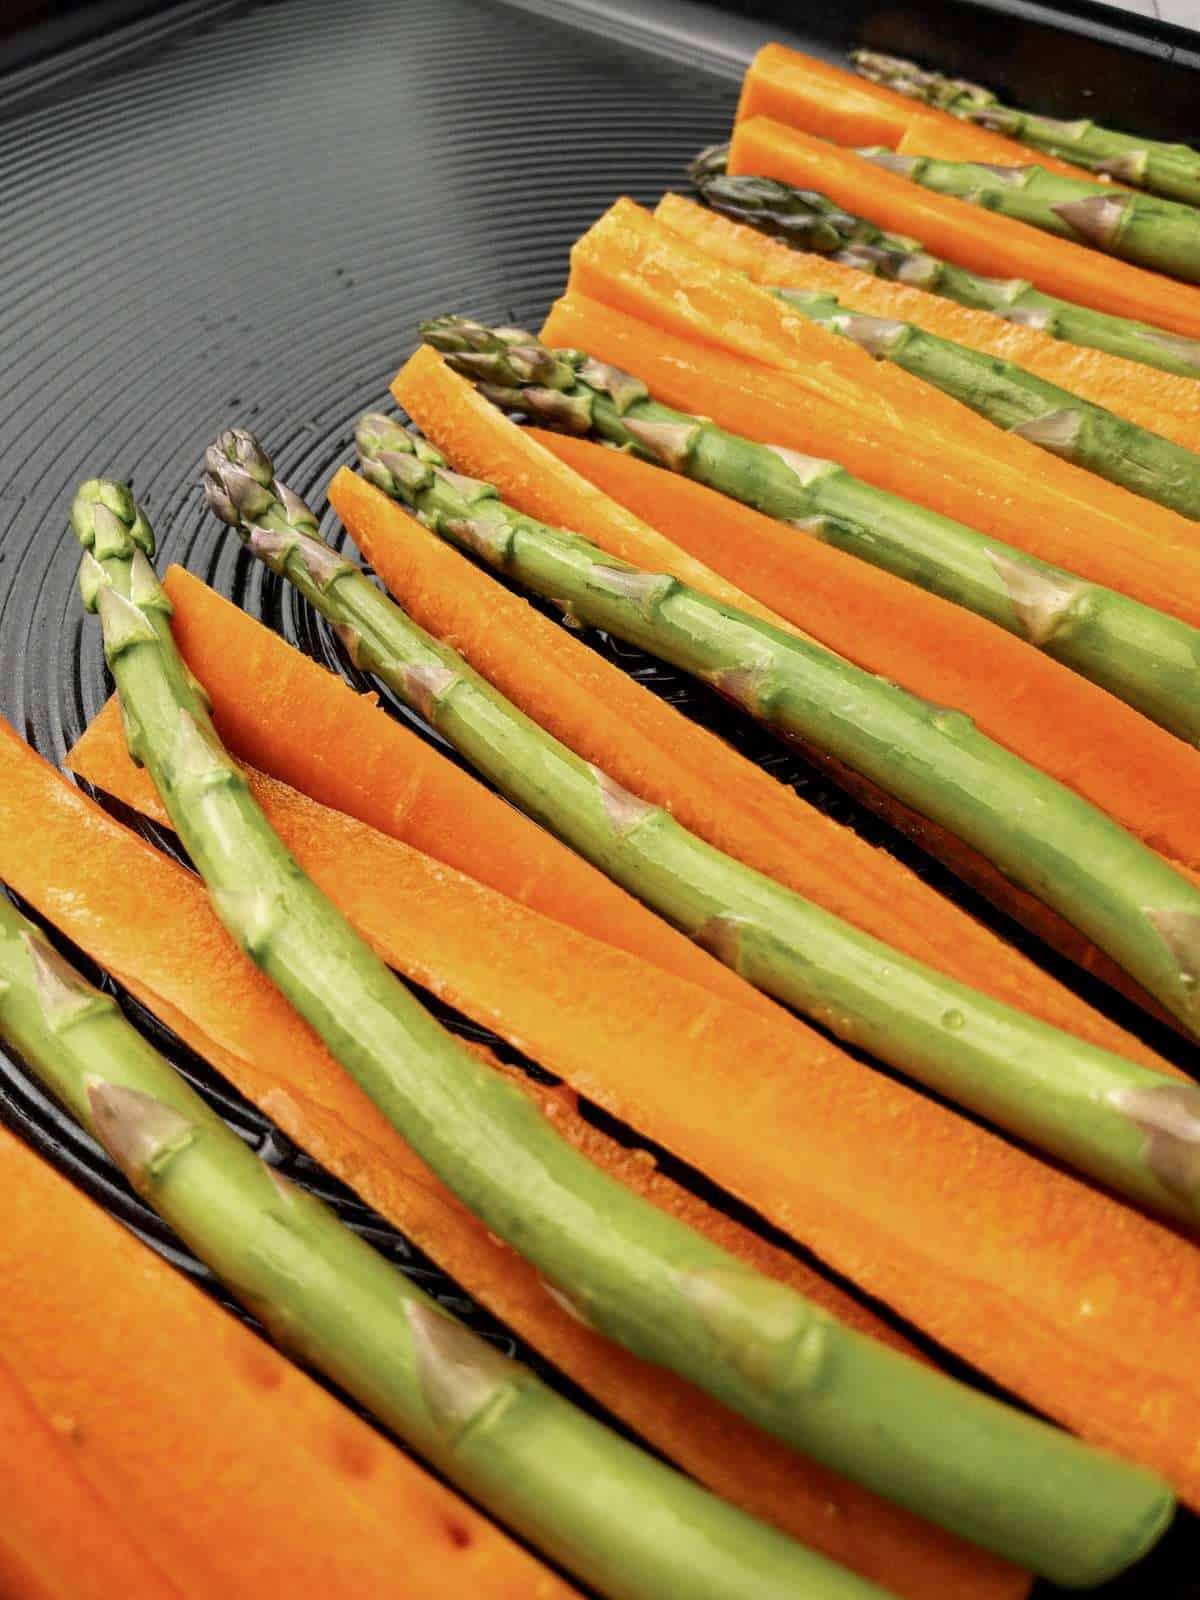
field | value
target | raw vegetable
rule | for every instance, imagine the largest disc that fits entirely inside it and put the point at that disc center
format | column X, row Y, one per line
column 573, row 1003
column 1167, row 169
column 878, row 422
column 889, row 736
column 787, row 946
column 1020, row 402
column 829, row 101
column 992, row 1252
column 58, row 1539
column 323, row 1293
column 1148, row 659
column 484, row 441
column 965, row 234
column 762, row 405
column 661, row 1289
column 207, row 1438
column 1159, row 234
column 1103, row 359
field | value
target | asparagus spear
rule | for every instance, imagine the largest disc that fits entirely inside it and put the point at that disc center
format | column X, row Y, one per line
column 634, row 1273
column 1145, row 657
column 1126, row 899
column 1172, row 170
column 1160, row 234
column 1020, row 402
column 612, row 1515
column 808, row 221
column 866, row 992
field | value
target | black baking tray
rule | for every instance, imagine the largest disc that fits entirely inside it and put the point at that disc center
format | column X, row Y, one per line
column 220, row 211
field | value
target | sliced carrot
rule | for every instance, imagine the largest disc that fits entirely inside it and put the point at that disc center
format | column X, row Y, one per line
column 356, row 759
column 635, row 264
column 1161, row 401
column 1086, row 1308
column 241, row 1476
column 1161, row 811
column 569, row 998
column 961, row 232
column 822, row 99
column 893, row 428
column 608, row 718
column 59, row 1540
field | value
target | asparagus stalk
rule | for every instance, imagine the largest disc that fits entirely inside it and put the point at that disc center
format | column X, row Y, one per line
column 1172, row 170
column 1160, row 234
column 612, row 1515
column 1143, row 656
column 1124, row 897
column 808, row 221
column 1020, row 402
column 984, row 1056
column 631, row 1271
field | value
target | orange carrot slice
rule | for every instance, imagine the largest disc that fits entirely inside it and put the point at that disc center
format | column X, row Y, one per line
column 1160, row 401
column 241, row 1476
column 1086, row 1308
column 563, row 995
column 962, row 232
column 58, row 1538
column 609, row 719
column 905, row 435
column 356, row 759
column 758, row 402
column 822, row 99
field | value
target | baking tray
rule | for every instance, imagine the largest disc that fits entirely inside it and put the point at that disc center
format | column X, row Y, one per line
column 220, row 211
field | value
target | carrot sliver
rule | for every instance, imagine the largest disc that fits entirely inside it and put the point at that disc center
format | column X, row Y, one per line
column 822, row 99
column 961, row 232
column 609, row 719
column 1161, row 401
column 570, row 999
column 241, row 1476
column 355, row 758
column 878, row 421
column 58, row 1538
column 1078, row 1303
column 758, row 402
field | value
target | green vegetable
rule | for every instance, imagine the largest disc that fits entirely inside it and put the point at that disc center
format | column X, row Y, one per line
column 629, row 1269
column 1143, row 656
column 1167, row 169
column 1160, row 234
column 808, row 221
column 1048, row 1087
column 1021, row 402
column 613, row 1515
column 1046, row 838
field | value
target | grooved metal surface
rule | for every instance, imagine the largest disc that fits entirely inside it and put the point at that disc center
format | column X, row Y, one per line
column 238, row 212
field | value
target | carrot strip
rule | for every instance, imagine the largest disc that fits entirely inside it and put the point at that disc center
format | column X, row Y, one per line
column 609, row 719
column 962, row 232
column 1161, row 401
column 1085, row 1307
column 57, row 1537
column 822, row 99
column 242, row 1477
column 356, row 759
column 906, row 436
column 565, row 996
